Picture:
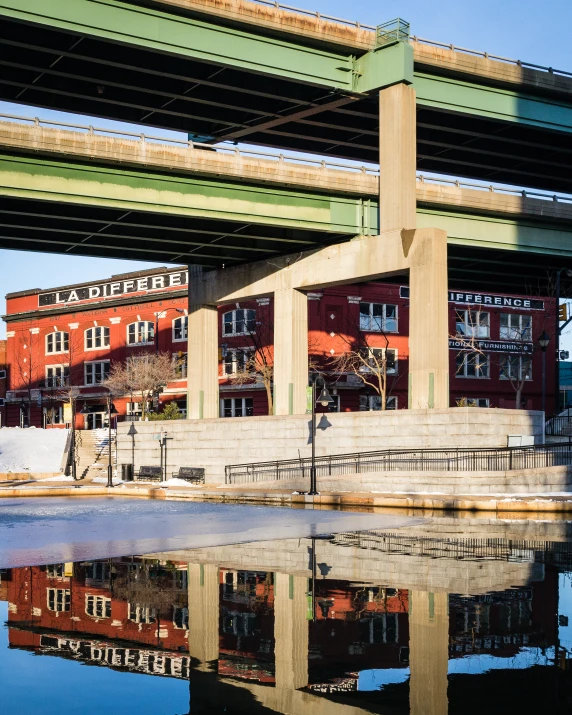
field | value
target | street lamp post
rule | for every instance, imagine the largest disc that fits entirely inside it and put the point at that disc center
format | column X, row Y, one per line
column 324, row 399
column 543, row 342
column 162, row 314
column 110, row 411
column 73, row 464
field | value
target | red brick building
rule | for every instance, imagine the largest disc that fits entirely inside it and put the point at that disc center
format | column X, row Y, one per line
column 68, row 337
column 3, row 382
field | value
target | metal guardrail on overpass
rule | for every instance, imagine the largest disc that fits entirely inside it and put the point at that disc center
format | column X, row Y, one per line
column 497, row 459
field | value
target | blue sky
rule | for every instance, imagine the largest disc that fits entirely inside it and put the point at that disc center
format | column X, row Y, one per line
column 519, row 29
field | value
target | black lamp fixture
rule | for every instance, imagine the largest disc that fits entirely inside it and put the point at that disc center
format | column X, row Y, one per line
column 544, row 340
column 85, row 410
column 325, row 398
column 112, row 410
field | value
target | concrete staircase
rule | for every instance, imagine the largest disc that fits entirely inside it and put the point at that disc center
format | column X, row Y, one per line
column 92, row 449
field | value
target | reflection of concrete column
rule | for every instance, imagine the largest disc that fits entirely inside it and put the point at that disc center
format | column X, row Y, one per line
column 291, row 631
column 202, row 361
column 428, row 652
column 203, row 611
column 397, row 158
column 290, row 351
column 428, row 339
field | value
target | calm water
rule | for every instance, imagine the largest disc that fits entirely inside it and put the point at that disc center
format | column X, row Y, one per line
column 425, row 617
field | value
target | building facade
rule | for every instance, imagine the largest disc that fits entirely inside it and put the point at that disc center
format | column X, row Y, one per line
column 61, row 344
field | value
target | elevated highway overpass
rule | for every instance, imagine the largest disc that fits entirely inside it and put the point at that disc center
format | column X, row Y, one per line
column 84, row 192
column 244, row 71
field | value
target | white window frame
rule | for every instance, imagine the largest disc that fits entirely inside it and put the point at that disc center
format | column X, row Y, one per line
column 485, row 359
column 143, row 329
column 93, row 601
column 510, row 359
column 58, row 599
column 58, row 413
column 51, row 339
column 231, row 360
column 471, row 329
column 56, row 380
column 474, row 401
column 389, row 371
column 141, row 614
column 181, row 323
column 248, row 315
column 55, row 570
column 233, row 407
column 103, row 338
column 372, row 403
column 184, row 617
column 374, row 324
column 180, row 360
column 93, row 366
column 134, row 409
column 520, row 333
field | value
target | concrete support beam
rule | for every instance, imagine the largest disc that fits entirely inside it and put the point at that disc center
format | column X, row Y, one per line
column 290, row 351
column 291, row 631
column 428, row 652
column 202, row 396
column 397, row 158
column 428, row 321
column 203, row 612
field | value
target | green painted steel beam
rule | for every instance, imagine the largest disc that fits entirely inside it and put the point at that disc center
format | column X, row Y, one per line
column 188, row 37
column 42, row 179
column 499, row 234
column 492, row 102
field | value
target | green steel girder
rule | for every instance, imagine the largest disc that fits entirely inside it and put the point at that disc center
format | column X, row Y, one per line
column 175, row 34
column 42, row 179
column 487, row 232
column 476, row 99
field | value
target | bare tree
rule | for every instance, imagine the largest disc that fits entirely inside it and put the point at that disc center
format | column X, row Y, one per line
column 373, row 365
column 142, row 375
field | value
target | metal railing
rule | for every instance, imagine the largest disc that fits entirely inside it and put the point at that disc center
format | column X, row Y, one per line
column 222, row 148
column 559, row 426
column 498, row 459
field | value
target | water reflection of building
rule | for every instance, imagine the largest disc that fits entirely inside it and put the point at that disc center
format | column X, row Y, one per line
column 281, row 642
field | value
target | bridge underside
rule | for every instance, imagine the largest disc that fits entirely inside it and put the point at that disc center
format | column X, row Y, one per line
column 462, row 129
column 106, row 232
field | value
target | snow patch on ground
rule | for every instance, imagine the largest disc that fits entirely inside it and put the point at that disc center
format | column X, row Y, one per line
column 174, row 482
column 58, row 478
column 31, row 450
column 103, row 480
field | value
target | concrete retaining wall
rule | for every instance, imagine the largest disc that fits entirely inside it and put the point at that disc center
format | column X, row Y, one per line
column 215, row 443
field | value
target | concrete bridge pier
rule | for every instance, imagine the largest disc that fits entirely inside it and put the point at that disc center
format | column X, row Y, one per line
column 428, row 652
column 203, row 606
column 291, row 635
column 290, row 351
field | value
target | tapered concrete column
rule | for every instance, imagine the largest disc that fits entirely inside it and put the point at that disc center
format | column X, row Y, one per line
column 397, row 158
column 428, row 652
column 203, row 611
column 202, row 362
column 428, row 319
column 290, row 351
column 291, row 631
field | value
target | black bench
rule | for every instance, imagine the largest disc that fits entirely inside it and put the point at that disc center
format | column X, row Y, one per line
column 191, row 474
column 151, row 474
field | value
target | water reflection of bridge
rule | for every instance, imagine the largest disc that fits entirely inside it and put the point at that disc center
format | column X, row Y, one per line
column 398, row 607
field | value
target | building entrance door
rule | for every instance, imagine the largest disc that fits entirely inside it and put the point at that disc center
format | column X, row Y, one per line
column 96, row 420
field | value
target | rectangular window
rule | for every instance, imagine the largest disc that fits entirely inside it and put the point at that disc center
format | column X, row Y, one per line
column 141, row 333
column 55, row 570
column 235, row 360
column 239, row 322
column 515, row 326
column 472, row 402
column 380, row 360
column 96, row 372
column 473, row 324
column 378, row 317
column 57, row 342
column 57, row 376
column 180, row 365
column 180, row 328
column 59, row 599
column 237, row 407
column 516, row 367
column 97, row 337
column 472, row 364
column 181, row 617
column 53, row 415
column 372, row 403
column 98, row 606
column 382, row 628
column 141, row 614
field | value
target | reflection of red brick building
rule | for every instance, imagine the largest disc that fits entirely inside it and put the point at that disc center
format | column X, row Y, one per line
column 71, row 335
column 3, row 382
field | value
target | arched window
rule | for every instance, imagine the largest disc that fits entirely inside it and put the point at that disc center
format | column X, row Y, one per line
column 57, row 342
column 140, row 333
column 180, row 328
column 96, row 338
column 239, row 322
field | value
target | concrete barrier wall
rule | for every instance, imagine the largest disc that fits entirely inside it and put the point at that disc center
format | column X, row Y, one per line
column 215, row 443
